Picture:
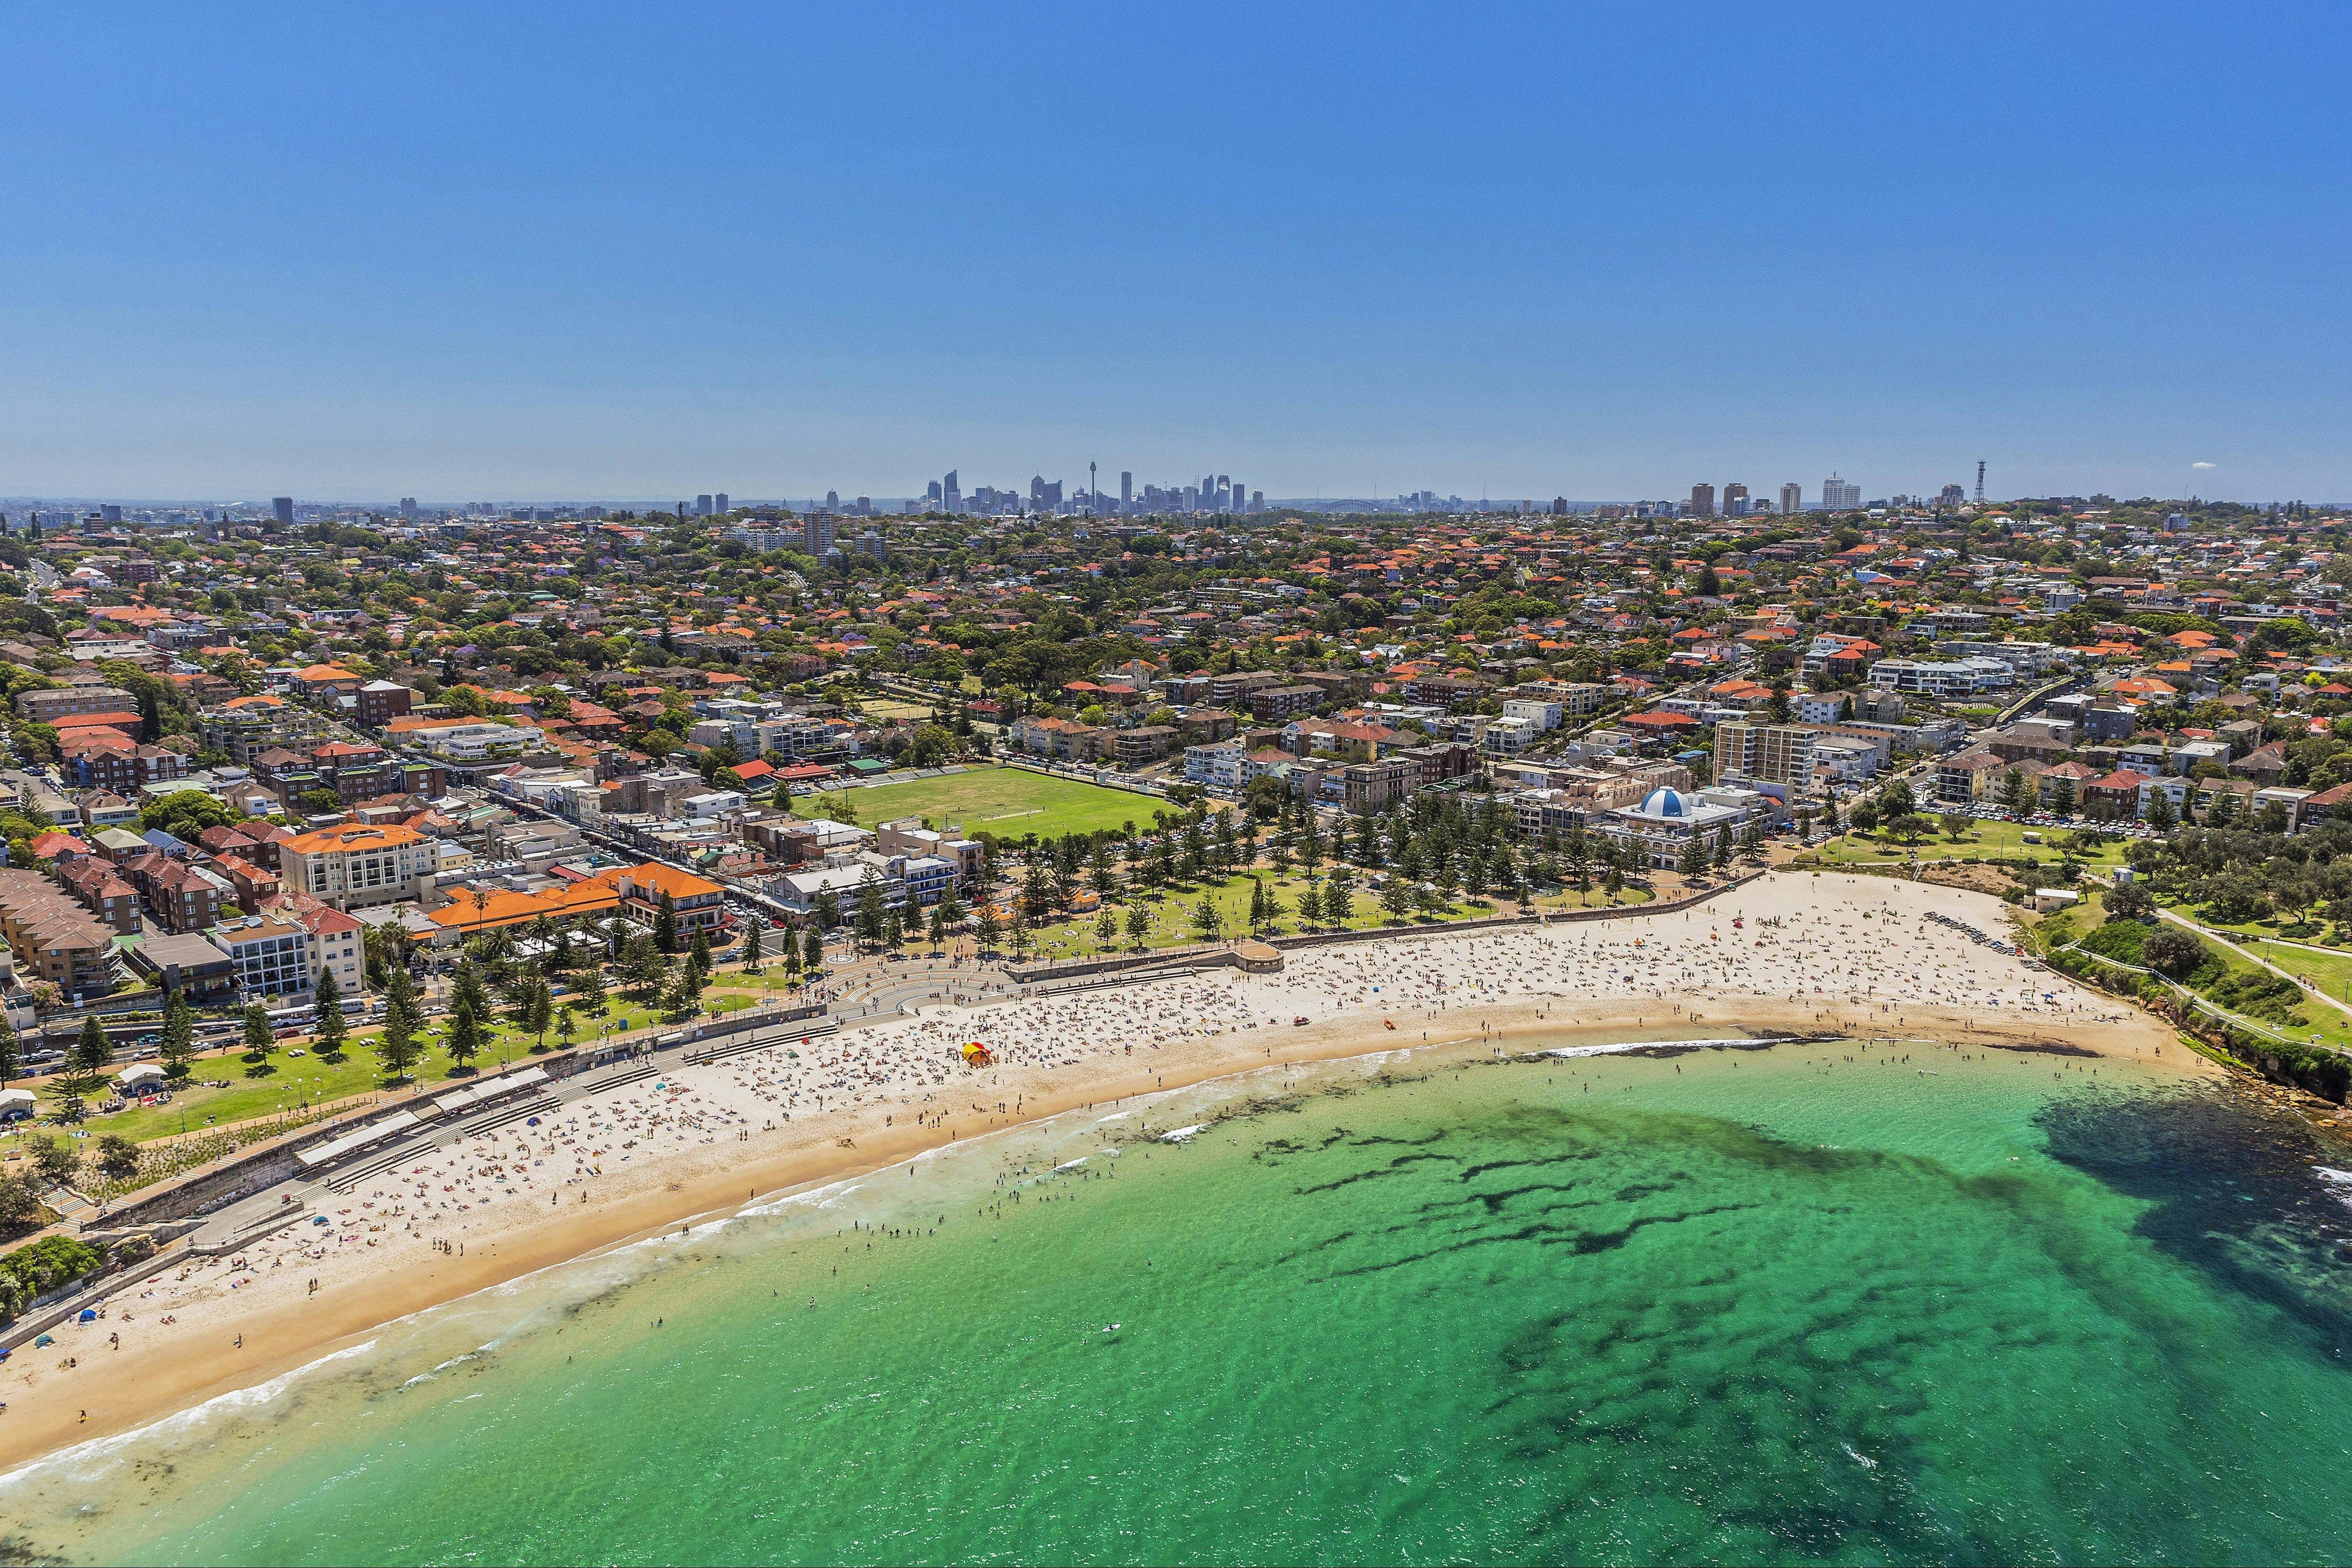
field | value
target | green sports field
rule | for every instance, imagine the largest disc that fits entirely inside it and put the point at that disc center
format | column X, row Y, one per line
column 1007, row 802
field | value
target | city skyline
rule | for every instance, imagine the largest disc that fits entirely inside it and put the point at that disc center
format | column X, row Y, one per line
column 1213, row 494
column 1520, row 254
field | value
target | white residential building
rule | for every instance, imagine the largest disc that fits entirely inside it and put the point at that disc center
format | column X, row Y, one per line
column 1942, row 677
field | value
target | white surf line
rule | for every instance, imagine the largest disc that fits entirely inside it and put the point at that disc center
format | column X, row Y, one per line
column 1619, row 1047
column 630, row 1251
column 219, row 1403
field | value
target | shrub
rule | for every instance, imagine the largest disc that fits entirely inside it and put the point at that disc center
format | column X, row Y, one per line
column 42, row 1266
column 2126, row 941
column 2269, row 998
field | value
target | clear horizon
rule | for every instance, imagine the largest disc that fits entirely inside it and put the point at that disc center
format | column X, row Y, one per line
column 597, row 252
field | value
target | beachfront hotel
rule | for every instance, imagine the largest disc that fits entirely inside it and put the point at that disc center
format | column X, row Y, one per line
column 353, row 866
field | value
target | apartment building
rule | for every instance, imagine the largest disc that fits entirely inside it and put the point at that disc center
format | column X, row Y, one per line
column 272, row 957
column 338, row 942
column 379, row 702
column 104, row 891
column 1145, row 743
column 1772, row 754
column 49, row 706
column 244, row 727
column 1271, row 704
column 1941, row 678
column 54, row 939
column 1575, row 699
column 469, row 741
column 1063, row 738
column 183, row 898
column 1509, row 736
column 908, row 837
column 1970, row 778
column 1226, row 690
column 1373, row 786
column 1217, row 767
column 1445, row 690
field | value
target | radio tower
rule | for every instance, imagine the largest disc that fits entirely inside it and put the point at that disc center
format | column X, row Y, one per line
column 1980, row 482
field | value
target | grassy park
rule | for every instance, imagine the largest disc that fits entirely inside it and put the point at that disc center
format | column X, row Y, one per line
column 1983, row 841
column 2243, row 988
column 288, row 1082
column 1007, row 802
column 285, row 1082
column 2330, row 972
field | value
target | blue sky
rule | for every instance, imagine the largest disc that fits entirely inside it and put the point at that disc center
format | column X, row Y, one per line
column 513, row 251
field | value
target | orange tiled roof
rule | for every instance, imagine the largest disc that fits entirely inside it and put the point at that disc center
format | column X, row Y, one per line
column 468, row 914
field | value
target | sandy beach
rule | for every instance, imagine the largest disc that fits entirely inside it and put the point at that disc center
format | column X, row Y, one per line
column 1809, row 953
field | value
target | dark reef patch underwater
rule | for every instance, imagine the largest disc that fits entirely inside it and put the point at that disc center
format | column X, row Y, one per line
column 1827, row 1303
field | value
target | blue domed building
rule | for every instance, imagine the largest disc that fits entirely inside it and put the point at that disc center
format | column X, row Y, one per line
column 1667, row 819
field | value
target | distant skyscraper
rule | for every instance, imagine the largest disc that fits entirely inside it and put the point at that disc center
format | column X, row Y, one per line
column 1126, row 489
column 718, row 502
column 833, row 500
column 1792, row 497
column 702, row 506
column 816, row 534
column 1839, row 496
column 1257, row 501
column 1702, row 501
column 1734, row 500
column 1241, row 496
column 408, row 505
column 931, row 495
column 283, row 507
column 951, row 492
column 1952, row 495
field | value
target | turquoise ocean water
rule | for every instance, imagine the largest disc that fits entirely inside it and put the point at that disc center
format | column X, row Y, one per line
column 1816, row 1303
